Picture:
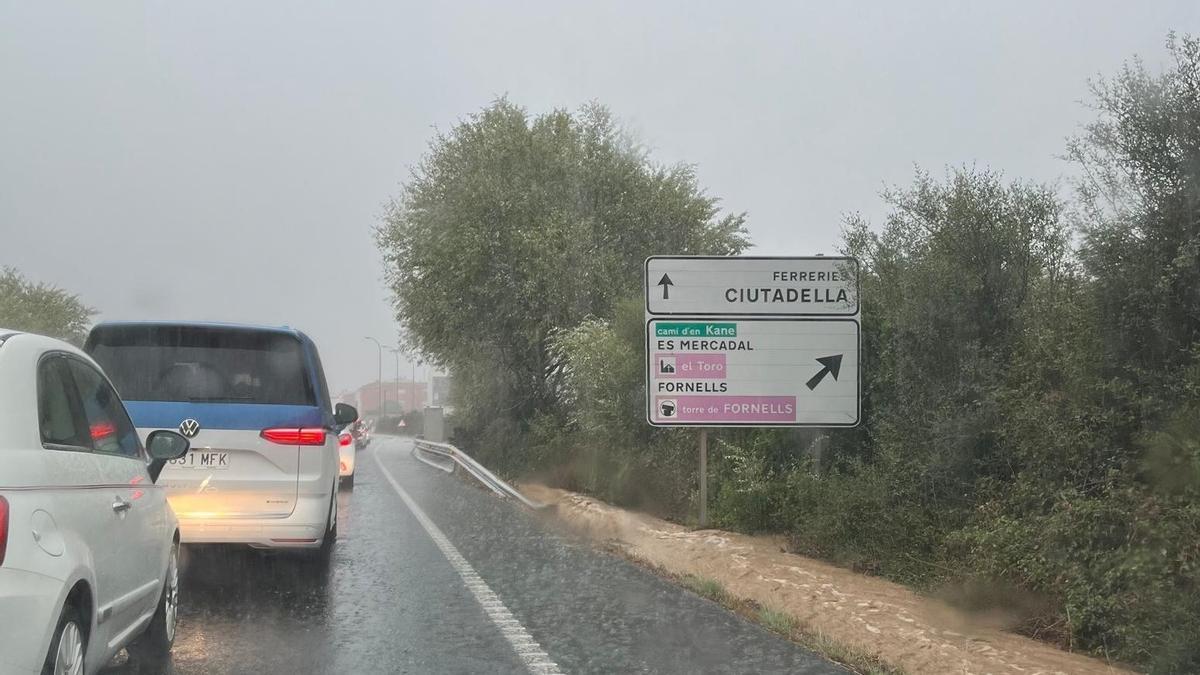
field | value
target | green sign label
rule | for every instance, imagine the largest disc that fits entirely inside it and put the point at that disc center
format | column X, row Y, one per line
column 695, row 330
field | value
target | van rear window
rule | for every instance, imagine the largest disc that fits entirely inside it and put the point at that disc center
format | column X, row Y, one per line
column 203, row 363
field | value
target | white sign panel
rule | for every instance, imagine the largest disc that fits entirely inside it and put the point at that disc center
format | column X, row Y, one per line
column 752, row 372
column 747, row 286
column 754, row 342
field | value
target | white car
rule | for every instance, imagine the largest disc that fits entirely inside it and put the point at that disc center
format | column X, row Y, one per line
column 263, row 468
column 347, row 449
column 88, row 544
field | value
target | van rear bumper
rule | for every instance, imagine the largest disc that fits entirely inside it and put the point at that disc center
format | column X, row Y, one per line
column 304, row 528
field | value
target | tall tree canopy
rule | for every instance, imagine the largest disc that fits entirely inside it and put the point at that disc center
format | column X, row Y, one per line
column 1140, row 196
column 41, row 308
column 515, row 226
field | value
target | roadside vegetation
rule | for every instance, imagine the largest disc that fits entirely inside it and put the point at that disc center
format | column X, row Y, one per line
column 40, row 308
column 1031, row 358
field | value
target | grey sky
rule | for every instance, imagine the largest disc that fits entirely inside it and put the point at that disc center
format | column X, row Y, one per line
column 227, row 160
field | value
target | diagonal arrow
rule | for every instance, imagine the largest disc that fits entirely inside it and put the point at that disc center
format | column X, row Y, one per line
column 832, row 366
column 666, row 284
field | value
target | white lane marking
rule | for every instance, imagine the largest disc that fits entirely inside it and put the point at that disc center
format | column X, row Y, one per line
column 530, row 652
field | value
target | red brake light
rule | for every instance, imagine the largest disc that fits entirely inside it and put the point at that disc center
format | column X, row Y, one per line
column 3, row 528
column 102, row 430
column 345, row 439
column 294, row 436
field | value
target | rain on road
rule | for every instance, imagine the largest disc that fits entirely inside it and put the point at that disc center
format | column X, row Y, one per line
column 394, row 599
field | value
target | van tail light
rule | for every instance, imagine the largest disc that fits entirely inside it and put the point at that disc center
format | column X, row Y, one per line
column 295, row 436
column 101, row 430
column 345, row 439
column 3, row 528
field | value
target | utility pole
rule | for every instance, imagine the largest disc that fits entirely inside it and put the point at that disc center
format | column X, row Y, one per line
column 396, row 352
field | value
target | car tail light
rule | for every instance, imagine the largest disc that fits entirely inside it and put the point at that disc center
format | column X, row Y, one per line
column 345, row 439
column 102, row 430
column 3, row 528
column 295, row 436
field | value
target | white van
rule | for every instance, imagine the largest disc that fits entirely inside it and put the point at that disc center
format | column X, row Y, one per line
column 263, row 466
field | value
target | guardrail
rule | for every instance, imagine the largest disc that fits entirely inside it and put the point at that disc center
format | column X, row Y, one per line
column 424, row 451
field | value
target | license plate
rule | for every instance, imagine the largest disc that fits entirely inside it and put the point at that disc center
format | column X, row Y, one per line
column 203, row 459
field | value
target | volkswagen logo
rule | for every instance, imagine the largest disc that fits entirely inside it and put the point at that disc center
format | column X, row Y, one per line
column 189, row 427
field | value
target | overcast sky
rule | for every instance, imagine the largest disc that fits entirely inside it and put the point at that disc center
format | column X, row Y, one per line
column 227, row 160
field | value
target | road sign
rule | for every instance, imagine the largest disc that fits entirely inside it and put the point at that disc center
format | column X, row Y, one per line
column 752, row 372
column 752, row 342
column 728, row 286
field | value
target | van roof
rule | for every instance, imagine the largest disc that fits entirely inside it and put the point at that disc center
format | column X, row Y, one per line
column 287, row 330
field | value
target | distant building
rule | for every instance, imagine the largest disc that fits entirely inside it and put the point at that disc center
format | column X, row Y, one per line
column 399, row 397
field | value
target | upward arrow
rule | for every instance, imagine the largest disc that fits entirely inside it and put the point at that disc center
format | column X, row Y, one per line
column 666, row 283
column 833, row 366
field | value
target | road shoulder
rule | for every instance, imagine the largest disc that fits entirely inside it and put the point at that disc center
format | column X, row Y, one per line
column 592, row 612
column 878, row 618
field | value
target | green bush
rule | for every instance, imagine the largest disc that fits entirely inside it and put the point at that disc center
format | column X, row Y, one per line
column 872, row 518
column 1121, row 565
column 587, row 442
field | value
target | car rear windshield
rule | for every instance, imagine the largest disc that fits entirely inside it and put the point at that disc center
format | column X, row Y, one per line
column 202, row 363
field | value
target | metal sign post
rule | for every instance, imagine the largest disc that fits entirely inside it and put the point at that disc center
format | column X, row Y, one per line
column 704, row 478
column 751, row 342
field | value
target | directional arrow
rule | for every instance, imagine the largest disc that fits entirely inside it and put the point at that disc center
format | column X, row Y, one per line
column 833, row 366
column 666, row 283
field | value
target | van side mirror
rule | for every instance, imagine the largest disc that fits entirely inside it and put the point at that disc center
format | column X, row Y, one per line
column 344, row 414
column 164, row 445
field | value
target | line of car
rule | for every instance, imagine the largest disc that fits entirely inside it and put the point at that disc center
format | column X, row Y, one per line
column 221, row 434
column 355, row 437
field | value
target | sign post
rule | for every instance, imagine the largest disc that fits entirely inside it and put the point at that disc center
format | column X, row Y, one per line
column 751, row 342
column 704, row 478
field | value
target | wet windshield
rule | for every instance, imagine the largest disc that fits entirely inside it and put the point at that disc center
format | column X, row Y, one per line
column 600, row 337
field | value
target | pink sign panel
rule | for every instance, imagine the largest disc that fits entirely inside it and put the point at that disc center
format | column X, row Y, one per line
column 725, row 408
column 706, row 366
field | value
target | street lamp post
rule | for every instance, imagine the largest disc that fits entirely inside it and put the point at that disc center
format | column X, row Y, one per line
column 381, row 398
column 396, row 352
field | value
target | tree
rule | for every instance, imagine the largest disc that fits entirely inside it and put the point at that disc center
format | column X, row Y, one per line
column 1134, row 522
column 515, row 226
column 42, row 308
column 946, row 289
column 1140, row 212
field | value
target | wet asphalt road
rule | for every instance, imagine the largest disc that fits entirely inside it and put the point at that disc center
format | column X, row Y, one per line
column 391, row 602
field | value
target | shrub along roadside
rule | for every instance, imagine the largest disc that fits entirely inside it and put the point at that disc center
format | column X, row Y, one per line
column 997, row 458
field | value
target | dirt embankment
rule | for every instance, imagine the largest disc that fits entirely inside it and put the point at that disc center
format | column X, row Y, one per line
column 896, row 625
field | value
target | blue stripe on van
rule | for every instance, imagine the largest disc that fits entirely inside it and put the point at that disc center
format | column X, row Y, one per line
column 251, row 416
